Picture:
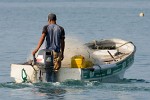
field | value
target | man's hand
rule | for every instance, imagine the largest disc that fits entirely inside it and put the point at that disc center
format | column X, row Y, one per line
column 34, row 52
column 62, row 56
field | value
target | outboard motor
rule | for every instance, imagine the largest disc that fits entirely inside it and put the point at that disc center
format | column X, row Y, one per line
column 44, row 61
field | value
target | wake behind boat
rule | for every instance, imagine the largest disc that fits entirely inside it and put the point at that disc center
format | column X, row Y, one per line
column 107, row 61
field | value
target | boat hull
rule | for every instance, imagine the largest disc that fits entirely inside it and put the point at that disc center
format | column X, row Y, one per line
column 112, row 71
column 113, row 74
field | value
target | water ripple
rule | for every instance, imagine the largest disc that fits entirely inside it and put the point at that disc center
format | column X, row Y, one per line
column 14, row 85
column 72, row 84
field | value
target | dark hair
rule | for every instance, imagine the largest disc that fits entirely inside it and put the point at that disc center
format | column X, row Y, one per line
column 52, row 16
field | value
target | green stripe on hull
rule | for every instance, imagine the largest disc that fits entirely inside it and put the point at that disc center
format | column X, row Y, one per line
column 122, row 65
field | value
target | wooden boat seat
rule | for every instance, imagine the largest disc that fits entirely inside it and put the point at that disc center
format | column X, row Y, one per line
column 109, row 59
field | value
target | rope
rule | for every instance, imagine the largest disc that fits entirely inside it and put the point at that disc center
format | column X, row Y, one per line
column 124, row 44
column 100, row 71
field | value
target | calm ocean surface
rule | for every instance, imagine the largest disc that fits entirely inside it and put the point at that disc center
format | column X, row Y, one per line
column 21, row 23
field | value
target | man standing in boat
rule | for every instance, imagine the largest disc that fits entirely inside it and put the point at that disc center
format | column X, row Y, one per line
column 55, row 36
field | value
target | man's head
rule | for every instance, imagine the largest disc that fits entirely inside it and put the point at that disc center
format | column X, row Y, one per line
column 52, row 17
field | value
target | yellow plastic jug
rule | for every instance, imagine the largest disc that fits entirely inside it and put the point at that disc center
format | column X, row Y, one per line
column 79, row 61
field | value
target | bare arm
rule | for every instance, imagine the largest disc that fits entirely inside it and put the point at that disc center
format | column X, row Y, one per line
column 39, row 43
column 63, row 43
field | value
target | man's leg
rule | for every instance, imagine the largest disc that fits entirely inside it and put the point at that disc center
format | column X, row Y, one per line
column 57, row 60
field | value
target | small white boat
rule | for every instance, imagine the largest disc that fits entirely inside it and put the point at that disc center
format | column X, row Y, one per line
column 110, row 58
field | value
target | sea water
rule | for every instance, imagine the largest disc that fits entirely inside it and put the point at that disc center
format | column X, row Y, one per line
column 21, row 23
